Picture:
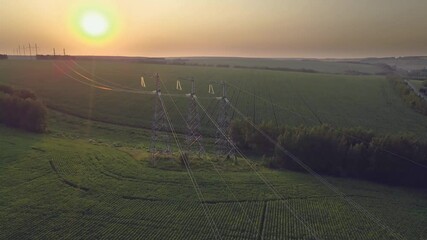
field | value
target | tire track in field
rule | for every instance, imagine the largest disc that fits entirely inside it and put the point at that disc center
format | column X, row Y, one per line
column 66, row 181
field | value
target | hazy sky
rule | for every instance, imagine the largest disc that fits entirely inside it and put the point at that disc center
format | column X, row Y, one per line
column 259, row 28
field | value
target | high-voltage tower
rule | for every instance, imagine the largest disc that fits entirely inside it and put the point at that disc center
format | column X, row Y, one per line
column 194, row 137
column 160, row 140
column 223, row 145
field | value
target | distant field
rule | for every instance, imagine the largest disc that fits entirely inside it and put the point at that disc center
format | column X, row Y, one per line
column 406, row 63
column 417, row 83
column 55, row 187
column 323, row 66
column 301, row 98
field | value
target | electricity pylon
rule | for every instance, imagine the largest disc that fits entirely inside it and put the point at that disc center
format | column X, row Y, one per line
column 223, row 145
column 194, row 137
column 160, row 140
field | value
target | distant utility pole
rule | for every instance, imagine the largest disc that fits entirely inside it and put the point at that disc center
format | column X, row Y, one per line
column 19, row 49
column 54, row 53
column 36, row 49
column 23, row 48
column 29, row 47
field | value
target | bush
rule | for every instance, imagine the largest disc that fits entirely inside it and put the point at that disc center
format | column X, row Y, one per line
column 408, row 96
column 355, row 153
column 21, row 109
column 245, row 137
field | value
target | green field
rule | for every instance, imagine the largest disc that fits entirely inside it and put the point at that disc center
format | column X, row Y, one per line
column 417, row 83
column 301, row 98
column 49, row 190
column 405, row 63
column 325, row 66
column 92, row 179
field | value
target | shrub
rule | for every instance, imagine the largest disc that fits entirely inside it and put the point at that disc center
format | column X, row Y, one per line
column 408, row 96
column 21, row 109
column 355, row 153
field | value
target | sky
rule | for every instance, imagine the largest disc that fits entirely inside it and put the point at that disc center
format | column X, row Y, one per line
column 245, row 28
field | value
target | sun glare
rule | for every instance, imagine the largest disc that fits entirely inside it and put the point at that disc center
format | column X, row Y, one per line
column 94, row 24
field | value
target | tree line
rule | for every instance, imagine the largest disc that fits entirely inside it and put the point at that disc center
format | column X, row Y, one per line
column 21, row 109
column 407, row 95
column 354, row 152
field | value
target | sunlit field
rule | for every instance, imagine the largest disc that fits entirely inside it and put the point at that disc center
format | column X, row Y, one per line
column 225, row 120
column 291, row 98
column 107, row 188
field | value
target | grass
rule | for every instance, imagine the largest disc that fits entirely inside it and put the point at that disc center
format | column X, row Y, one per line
column 57, row 187
column 302, row 98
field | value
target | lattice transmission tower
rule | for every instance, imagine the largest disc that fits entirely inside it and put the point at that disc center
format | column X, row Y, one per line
column 223, row 146
column 194, row 136
column 160, row 139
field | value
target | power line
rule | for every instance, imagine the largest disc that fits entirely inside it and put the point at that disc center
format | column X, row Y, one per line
column 367, row 213
column 213, row 165
column 318, row 177
column 185, row 160
column 266, row 182
column 189, row 171
column 104, row 87
column 317, row 120
column 99, row 78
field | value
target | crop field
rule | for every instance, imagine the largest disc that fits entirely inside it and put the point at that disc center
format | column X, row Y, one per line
column 417, row 83
column 405, row 63
column 90, row 175
column 213, row 120
column 101, row 191
column 289, row 98
column 324, row 66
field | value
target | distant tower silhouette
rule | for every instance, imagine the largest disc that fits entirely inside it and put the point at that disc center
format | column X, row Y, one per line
column 63, row 51
column 54, row 53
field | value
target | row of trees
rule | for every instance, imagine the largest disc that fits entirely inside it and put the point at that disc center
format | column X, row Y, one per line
column 355, row 153
column 21, row 109
column 408, row 96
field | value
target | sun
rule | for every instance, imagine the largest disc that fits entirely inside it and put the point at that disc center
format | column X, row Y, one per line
column 94, row 24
